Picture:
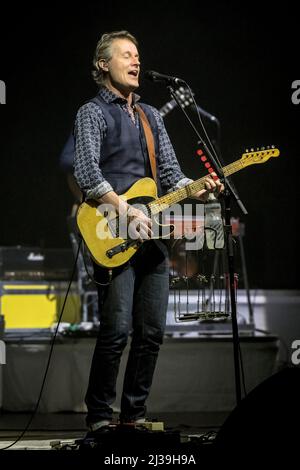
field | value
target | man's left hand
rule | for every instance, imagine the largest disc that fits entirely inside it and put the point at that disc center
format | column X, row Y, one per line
column 211, row 186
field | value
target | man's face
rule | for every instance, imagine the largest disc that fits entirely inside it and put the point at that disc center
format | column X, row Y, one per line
column 124, row 66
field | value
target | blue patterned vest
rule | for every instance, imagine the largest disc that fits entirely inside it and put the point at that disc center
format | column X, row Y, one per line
column 124, row 154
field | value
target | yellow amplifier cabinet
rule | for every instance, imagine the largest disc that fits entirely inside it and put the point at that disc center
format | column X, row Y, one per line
column 37, row 305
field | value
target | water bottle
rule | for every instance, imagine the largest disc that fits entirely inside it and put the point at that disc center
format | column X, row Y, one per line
column 214, row 231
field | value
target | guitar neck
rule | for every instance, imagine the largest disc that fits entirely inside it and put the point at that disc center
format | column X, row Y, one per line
column 169, row 106
column 168, row 200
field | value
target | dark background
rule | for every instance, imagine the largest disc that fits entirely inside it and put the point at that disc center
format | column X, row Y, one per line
column 240, row 61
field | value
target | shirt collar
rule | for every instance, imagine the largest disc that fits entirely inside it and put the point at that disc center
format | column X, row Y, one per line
column 110, row 97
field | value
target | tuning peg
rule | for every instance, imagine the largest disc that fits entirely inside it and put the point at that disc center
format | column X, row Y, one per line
column 272, row 146
column 263, row 148
column 252, row 149
column 247, row 151
column 268, row 147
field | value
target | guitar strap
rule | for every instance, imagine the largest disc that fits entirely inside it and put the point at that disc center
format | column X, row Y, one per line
column 149, row 140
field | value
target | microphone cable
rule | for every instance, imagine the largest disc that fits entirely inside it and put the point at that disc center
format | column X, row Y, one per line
column 49, row 356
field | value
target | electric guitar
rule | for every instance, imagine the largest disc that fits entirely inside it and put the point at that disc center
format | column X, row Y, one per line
column 100, row 228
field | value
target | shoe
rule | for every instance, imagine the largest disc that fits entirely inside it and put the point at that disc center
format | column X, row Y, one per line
column 98, row 433
column 99, row 424
column 97, row 430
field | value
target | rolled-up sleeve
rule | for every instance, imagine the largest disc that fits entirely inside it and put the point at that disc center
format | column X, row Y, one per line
column 171, row 176
column 90, row 130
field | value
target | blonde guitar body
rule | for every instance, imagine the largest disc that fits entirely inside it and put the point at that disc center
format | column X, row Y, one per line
column 96, row 227
column 99, row 227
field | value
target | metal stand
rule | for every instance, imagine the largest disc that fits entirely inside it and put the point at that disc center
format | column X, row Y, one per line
column 230, row 255
column 244, row 270
column 229, row 193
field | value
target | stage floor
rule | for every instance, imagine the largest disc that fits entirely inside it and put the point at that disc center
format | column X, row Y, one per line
column 47, row 427
column 193, row 389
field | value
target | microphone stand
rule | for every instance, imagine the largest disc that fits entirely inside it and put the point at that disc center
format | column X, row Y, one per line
column 229, row 193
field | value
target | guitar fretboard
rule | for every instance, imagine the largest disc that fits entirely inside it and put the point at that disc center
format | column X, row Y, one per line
column 168, row 200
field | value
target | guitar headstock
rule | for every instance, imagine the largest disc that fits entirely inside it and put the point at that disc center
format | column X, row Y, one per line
column 259, row 155
column 184, row 96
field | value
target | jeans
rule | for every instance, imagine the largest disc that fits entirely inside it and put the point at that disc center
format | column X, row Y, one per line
column 135, row 301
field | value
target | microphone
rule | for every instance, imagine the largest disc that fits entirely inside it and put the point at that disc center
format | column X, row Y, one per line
column 160, row 77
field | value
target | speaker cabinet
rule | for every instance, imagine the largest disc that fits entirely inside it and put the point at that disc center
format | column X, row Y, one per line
column 270, row 413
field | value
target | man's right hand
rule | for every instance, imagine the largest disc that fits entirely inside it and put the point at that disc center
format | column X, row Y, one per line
column 139, row 225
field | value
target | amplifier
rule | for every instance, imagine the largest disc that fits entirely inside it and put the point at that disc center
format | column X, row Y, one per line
column 19, row 263
column 37, row 305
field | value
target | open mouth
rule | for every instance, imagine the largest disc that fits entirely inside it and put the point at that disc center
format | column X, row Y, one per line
column 134, row 73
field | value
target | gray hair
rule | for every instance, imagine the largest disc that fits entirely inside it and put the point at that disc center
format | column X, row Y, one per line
column 103, row 52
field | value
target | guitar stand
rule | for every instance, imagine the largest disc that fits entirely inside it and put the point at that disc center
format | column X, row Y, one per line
column 244, row 271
